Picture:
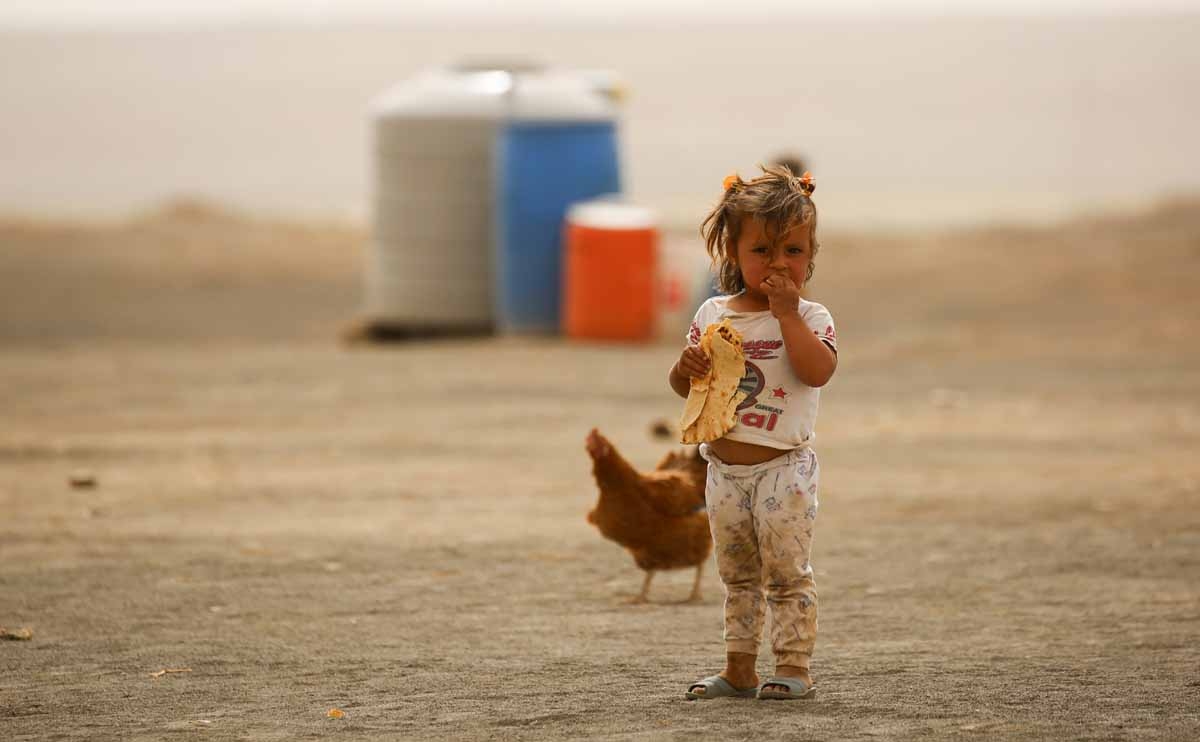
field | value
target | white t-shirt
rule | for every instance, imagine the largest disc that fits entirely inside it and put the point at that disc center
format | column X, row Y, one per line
column 779, row 410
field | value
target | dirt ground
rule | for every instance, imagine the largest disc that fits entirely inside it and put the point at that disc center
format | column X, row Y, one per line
column 1008, row 544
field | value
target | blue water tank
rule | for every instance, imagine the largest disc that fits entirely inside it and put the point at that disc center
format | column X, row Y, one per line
column 542, row 168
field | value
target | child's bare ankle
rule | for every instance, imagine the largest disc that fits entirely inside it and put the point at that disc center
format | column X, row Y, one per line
column 740, row 669
column 793, row 671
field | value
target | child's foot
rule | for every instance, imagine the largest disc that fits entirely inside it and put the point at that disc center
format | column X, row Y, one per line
column 740, row 682
column 784, row 671
column 739, row 672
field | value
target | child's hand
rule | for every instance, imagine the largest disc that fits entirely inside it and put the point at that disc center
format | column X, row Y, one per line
column 693, row 363
column 783, row 294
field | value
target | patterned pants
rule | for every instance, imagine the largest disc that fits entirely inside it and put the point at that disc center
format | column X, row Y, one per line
column 762, row 520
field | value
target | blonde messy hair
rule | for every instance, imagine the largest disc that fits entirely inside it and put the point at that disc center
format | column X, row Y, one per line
column 779, row 197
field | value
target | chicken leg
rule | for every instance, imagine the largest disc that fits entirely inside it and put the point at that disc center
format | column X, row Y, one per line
column 695, row 596
column 644, row 595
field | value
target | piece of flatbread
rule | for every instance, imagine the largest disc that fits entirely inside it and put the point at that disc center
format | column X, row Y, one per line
column 711, row 408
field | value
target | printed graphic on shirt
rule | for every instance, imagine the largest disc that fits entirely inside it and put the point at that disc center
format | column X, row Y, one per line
column 752, row 384
column 761, row 414
column 765, row 418
column 762, row 350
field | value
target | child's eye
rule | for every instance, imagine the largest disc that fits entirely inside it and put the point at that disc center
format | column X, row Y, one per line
column 759, row 249
column 793, row 250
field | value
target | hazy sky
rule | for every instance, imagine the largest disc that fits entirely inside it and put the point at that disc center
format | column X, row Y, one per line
column 132, row 13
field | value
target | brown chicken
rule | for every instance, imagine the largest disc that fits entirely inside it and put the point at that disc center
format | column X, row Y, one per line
column 658, row 516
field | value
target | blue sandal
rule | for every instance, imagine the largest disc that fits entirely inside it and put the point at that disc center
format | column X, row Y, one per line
column 716, row 686
column 797, row 689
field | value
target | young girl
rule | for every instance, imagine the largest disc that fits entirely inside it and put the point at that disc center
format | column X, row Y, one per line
column 762, row 475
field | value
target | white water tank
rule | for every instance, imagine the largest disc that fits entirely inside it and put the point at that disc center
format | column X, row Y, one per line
column 430, row 264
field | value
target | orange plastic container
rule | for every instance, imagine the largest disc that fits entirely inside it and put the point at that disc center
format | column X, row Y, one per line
column 610, row 272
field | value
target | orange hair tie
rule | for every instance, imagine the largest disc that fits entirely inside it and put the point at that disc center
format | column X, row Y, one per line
column 807, row 178
column 730, row 181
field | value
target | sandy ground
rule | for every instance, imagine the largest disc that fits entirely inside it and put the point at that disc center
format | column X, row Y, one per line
column 1008, row 545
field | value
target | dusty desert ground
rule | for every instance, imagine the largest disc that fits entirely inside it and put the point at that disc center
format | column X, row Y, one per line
column 1008, row 545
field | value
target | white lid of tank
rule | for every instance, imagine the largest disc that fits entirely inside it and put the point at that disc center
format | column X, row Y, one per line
column 559, row 95
column 482, row 92
column 606, row 213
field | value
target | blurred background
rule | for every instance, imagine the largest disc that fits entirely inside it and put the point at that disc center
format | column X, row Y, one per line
column 179, row 119
column 911, row 112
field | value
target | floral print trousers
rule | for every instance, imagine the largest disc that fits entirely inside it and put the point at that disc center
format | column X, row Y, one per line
column 762, row 519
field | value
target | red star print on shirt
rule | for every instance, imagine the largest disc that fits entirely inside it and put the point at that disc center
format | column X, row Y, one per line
column 779, row 393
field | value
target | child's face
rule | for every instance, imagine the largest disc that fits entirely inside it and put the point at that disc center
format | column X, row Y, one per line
column 760, row 253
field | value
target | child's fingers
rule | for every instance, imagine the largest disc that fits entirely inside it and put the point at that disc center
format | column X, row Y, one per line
column 776, row 284
column 693, row 362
